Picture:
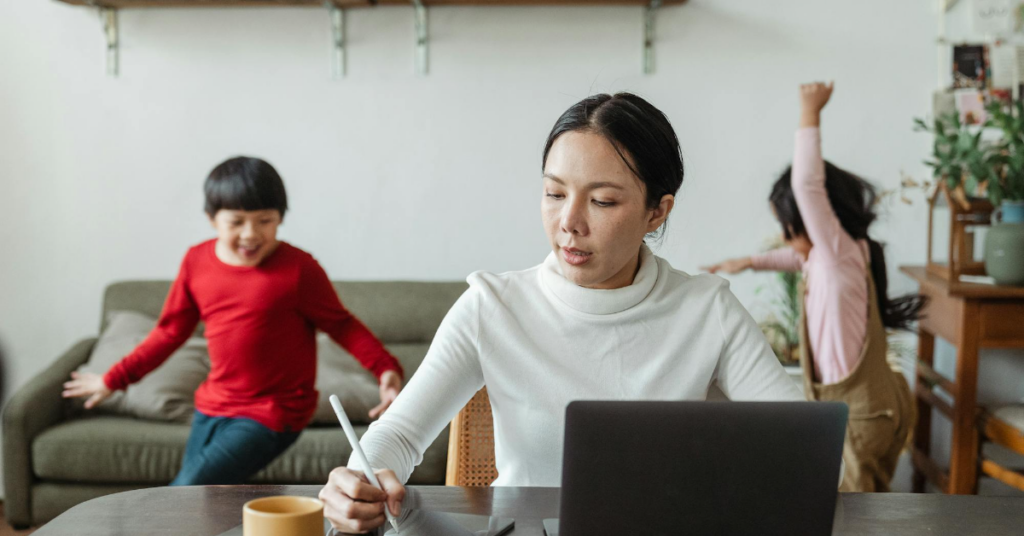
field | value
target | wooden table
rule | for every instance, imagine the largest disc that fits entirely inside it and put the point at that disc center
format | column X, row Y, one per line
column 971, row 317
column 208, row 511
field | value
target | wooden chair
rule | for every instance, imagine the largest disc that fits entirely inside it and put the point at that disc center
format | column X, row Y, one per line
column 1003, row 426
column 471, row 445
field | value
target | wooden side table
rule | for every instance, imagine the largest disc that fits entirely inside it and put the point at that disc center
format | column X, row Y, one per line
column 971, row 317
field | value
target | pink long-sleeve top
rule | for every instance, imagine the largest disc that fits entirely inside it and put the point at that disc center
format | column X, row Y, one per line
column 836, row 302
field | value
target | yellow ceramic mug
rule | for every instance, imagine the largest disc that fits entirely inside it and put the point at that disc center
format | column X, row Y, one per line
column 283, row 516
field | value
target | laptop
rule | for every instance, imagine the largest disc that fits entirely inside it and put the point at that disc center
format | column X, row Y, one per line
column 702, row 468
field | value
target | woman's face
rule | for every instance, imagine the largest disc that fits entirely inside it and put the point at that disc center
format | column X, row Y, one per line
column 594, row 211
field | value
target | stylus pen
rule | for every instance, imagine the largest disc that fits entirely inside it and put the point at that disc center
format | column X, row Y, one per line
column 350, row 433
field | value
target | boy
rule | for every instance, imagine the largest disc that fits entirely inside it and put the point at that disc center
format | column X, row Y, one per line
column 262, row 301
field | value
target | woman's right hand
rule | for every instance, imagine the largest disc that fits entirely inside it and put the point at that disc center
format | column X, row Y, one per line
column 353, row 505
column 731, row 266
column 87, row 385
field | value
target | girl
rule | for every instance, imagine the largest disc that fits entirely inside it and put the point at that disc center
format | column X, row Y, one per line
column 825, row 213
column 601, row 318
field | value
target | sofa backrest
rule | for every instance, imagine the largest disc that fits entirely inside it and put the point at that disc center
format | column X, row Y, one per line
column 398, row 312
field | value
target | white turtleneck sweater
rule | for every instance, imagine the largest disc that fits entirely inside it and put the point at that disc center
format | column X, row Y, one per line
column 539, row 341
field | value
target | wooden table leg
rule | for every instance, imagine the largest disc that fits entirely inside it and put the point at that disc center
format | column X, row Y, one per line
column 923, row 431
column 963, row 469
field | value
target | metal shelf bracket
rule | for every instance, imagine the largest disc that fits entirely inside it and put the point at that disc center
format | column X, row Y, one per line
column 649, row 14
column 422, row 38
column 337, row 16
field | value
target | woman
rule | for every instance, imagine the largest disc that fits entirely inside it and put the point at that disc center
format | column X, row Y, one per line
column 600, row 318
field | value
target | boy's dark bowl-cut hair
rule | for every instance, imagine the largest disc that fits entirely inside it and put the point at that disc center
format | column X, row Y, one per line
column 244, row 183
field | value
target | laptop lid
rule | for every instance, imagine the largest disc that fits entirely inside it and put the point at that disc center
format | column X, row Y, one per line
column 707, row 468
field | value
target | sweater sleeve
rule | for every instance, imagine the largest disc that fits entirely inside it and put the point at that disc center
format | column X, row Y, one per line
column 778, row 260
column 820, row 220
column 448, row 378
column 319, row 303
column 177, row 321
column 747, row 367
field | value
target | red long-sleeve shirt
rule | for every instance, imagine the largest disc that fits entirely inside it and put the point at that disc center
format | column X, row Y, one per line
column 261, row 326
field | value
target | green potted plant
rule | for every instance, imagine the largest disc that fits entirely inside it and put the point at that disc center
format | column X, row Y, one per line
column 1004, row 244
column 967, row 166
column 961, row 160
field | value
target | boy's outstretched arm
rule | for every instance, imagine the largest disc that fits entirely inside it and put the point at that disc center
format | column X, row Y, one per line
column 320, row 304
column 177, row 321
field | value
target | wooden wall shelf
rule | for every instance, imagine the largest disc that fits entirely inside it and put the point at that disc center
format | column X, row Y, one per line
column 336, row 13
column 132, row 4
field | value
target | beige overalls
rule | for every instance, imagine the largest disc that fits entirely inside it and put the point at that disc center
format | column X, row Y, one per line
column 882, row 412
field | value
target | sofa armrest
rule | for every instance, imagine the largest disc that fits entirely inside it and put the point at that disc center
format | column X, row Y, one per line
column 33, row 408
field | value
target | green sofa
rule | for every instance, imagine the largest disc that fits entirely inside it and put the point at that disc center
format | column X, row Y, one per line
column 54, row 460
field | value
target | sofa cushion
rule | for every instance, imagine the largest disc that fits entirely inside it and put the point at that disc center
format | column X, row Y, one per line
column 341, row 374
column 167, row 393
column 121, row 450
column 400, row 311
column 106, row 449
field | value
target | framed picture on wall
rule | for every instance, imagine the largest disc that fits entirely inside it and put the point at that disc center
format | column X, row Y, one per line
column 970, row 63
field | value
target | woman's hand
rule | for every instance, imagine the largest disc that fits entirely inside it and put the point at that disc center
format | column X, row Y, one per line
column 731, row 266
column 86, row 385
column 390, row 386
column 353, row 505
column 813, row 97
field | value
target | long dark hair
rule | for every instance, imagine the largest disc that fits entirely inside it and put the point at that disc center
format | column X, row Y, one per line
column 853, row 201
column 638, row 131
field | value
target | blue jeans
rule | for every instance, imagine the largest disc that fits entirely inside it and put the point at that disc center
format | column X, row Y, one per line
column 226, row 450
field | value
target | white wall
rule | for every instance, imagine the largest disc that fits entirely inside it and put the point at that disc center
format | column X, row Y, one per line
column 395, row 176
